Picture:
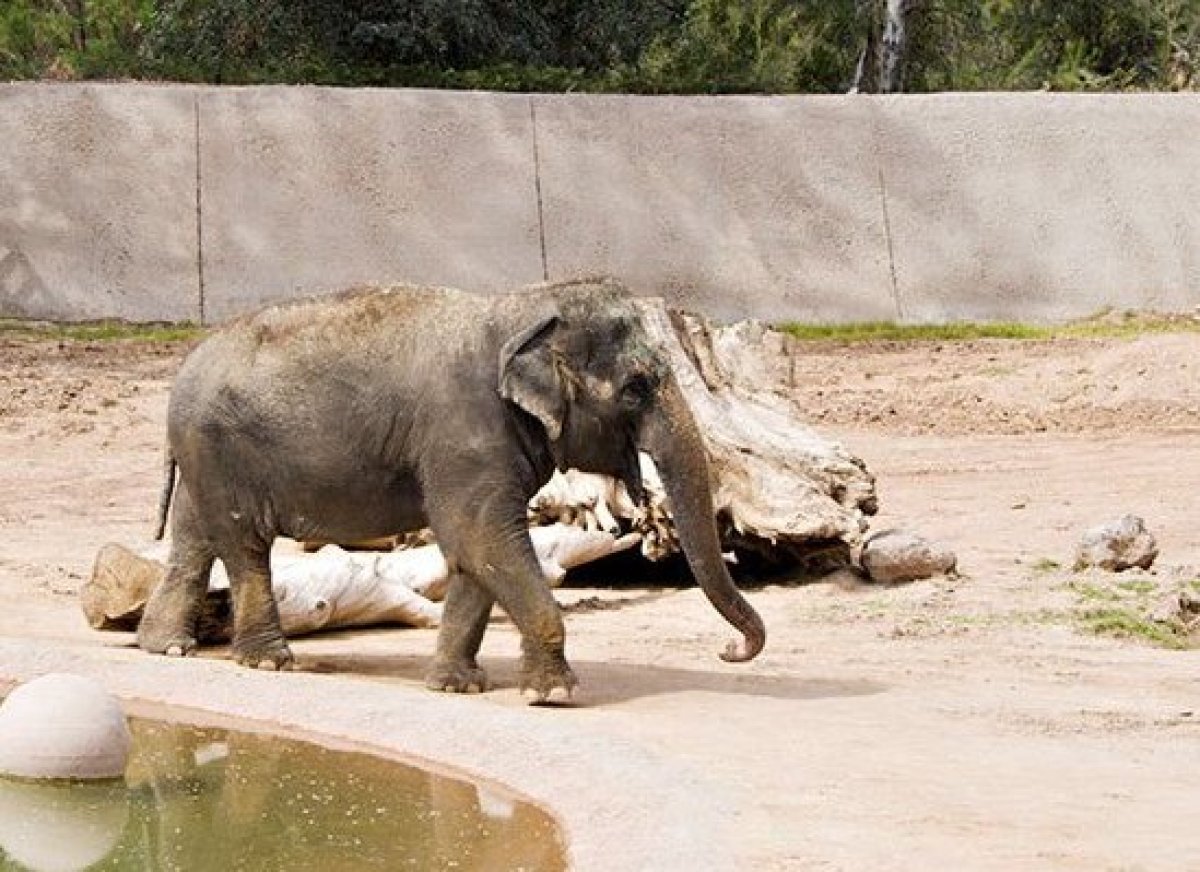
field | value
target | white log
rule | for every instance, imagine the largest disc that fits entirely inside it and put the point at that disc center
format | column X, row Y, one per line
column 339, row 588
column 595, row 502
column 332, row 588
column 780, row 490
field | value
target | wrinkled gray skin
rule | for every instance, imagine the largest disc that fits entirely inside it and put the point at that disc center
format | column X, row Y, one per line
column 387, row 410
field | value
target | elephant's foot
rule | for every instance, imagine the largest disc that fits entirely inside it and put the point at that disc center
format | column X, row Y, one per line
column 456, row 676
column 160, row 637
column 168, row 623
column 545, row 675
column 269, row 654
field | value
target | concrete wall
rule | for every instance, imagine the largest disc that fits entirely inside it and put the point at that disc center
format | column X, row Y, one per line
column 309, row 188
column 98, row 202
column 1041, row 207
column 170, row 202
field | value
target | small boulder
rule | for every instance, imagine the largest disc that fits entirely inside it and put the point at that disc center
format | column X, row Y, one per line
column 896, row 556
column 1178, row 609
column 1117, row 545
column 63, row 726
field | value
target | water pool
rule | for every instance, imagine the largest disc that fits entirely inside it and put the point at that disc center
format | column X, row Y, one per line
column 204, row 798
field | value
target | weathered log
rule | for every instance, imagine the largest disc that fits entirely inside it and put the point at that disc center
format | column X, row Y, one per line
column 782, row 492
column 780, row 489
column 332, row 588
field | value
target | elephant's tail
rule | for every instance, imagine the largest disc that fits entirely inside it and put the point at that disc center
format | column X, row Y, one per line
column 164, row 497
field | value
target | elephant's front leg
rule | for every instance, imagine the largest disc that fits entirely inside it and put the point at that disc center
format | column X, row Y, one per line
column 521, row 589
column 500, row 561
column 258, row 639
column 465, row 615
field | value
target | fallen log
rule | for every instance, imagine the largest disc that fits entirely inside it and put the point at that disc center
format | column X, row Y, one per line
column 332, row 588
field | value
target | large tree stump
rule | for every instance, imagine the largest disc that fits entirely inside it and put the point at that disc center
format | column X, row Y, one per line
column 781, row 490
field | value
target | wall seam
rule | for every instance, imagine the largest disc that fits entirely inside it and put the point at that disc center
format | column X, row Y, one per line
column 199, row 215
column 537, row 187
column 872, row 107
column 897, row 301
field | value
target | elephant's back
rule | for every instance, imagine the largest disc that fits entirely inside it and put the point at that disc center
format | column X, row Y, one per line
column 303, row 356
column 361, row 312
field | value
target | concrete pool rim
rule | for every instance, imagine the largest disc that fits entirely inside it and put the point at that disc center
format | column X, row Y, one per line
column 617, row 804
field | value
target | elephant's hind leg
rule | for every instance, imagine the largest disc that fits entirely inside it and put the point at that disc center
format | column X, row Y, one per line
column 464, row 619
column 258, row 639
column 172, row 615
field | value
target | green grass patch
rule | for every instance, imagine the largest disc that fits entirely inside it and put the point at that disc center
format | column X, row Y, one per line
column 1046, row 564
column 101, row 331
column 1123, row 623
column 889, row 331
column 1095, row 593
column 1101, row 326
column 1138, row 587
column 1121, row 608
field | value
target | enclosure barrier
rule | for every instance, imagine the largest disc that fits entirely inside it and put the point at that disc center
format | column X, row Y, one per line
column 172, row 202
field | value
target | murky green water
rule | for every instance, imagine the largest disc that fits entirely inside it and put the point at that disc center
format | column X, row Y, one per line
column 197, row 799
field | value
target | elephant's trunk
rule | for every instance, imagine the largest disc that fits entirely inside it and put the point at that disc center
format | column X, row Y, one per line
column 670, row 436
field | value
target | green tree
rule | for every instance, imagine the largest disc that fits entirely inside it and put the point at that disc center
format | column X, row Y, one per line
column 763, row 46
column 682, row 46
column 1034, row 44
column 77, row 39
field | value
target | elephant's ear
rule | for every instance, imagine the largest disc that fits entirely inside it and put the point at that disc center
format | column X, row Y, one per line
column 530, row 378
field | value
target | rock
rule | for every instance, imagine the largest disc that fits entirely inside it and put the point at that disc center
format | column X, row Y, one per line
column 896, row 555
column 1179, row 609
column 63, row 726
column 1116, row 546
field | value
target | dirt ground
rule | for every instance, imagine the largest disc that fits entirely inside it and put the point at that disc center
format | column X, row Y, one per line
column 972, row 722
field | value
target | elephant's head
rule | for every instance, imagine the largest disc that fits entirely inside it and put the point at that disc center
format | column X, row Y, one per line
column 590, row 374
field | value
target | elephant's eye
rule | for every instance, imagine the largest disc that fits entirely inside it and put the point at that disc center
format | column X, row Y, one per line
column 637, row 392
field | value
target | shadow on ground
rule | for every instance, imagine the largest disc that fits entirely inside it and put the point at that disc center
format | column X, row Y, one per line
column 606, row 683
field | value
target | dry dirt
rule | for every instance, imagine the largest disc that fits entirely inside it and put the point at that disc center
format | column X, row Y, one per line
column 965, row 723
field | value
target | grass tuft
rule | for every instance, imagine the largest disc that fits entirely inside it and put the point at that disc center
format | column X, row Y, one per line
column 1121, row 608
column 1123, row 623
column 101, row 331
column 1104, row 325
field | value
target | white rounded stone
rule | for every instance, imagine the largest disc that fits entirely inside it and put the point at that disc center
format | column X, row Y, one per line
column 63, row 726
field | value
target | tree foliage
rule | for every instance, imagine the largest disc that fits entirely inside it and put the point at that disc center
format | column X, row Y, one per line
column 670, row 46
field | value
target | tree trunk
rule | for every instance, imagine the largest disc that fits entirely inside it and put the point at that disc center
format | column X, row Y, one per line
column 780, row 490
column 880, row 67
column 894, row 44
column 81, row 30
column 865, row 71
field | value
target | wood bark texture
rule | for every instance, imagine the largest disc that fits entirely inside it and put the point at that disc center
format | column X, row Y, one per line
column 781, row 490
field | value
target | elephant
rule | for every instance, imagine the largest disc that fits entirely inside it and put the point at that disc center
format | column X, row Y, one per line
column 391, row 408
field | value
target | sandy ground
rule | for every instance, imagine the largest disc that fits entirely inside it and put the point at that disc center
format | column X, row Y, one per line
column 965, row 723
